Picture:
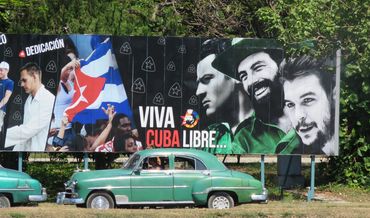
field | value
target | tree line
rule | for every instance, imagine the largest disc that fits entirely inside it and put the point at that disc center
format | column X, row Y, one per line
column 328, row 24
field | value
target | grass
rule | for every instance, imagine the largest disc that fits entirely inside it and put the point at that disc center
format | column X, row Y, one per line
column 272, row 209
column 282, row 204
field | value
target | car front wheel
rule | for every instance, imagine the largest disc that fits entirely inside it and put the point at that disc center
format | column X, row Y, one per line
column 100, row 200
column 220, row 200
column 4, row 201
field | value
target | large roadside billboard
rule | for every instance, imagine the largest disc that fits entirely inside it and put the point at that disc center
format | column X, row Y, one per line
column 96, row 93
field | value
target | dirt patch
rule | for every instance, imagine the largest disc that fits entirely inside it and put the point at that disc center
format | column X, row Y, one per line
column 324, row 196
column 328, row 197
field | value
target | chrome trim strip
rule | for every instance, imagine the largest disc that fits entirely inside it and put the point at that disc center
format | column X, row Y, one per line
column 110, row 179
column 222, row 188
column 261, row 197
column 122, row 187
column 108, row 187
column 121, row 199
column 157, row 202
column 17, row 189
column 61, row 199
column 152, row 187
column 181, row 186
column 41, row 197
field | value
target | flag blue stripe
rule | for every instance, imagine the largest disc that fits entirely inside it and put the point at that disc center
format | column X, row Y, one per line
column 112, row 76
column 98, row 53
column 91, row 115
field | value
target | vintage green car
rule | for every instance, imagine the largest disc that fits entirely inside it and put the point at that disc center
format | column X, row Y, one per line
column 163, row 177
column 18, row 187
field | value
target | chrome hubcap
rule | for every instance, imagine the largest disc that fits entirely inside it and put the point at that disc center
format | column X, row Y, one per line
column 3, row 203
column 100, row 202
column 221, row 202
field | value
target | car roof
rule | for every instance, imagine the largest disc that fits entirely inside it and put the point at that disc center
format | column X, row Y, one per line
column 208, row 159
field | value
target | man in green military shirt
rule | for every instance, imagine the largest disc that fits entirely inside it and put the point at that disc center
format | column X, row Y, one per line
column 222, row 98
column 255, row 63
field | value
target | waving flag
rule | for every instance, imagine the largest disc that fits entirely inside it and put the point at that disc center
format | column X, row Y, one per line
column 97, row 83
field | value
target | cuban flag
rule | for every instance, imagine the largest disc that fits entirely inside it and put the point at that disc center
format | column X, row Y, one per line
column 97, row 83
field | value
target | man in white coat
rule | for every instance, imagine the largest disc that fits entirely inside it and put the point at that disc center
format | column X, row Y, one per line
column 32, row 134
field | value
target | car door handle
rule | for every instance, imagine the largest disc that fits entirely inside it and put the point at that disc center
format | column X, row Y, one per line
column 168, row 173
column 206, row 173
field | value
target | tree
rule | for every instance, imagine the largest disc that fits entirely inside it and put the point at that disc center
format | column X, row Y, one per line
column 329, row 22
column 290, row 21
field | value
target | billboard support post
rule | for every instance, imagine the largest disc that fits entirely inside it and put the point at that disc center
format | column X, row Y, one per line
column 86, row 161
column 20, row 161
column 263, row 170
column 311, row 192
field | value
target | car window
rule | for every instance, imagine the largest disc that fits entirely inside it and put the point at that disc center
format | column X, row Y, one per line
column 199, row 165
column 155, row 163
column 132, row 162
column 188, row 163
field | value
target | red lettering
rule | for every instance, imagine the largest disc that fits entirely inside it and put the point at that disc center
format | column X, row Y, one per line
column 158, row 138
column 149, row 140
column 166, row 138
column 175, row 139
column 162, row 138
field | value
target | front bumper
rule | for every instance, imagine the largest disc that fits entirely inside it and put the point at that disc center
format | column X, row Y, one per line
column 62, row 199
column 41, row 197
column 261, row 197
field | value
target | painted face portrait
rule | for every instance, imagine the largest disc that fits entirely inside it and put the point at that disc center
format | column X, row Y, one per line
column 28, row 82
column 130, row 145
column 3, row 73
column 308, row 108
column 258, row 73
column 214, row 88
column 124, row 125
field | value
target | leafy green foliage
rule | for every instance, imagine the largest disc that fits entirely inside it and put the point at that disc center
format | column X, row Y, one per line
column 51, row 175
column 328, row 22
column 140, row 17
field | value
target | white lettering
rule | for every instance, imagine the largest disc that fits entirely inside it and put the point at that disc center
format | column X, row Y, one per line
column 184, row 144
column 197, row 140
column 169, row 120
column 143, row 117
column 212, row 138
column 159, row 117
column 3, row 40
column 28, row 51
column 43, row 47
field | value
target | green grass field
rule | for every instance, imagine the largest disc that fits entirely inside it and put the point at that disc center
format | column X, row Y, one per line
column 335, row 200
column 272, row 209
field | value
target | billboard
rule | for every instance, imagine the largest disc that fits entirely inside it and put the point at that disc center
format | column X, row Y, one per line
column 98, row 93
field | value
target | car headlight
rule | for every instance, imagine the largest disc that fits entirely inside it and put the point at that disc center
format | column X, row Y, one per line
column 70, row 184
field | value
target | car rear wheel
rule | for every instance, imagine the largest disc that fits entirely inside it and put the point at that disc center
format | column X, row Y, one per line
column 4, row 201
column 220, row 200
column 100, row 200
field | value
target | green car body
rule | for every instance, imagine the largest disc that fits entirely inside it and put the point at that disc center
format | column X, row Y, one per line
column 134, row 184
column 18, row 187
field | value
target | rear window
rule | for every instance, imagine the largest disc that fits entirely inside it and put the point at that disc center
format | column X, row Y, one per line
column 188, row 163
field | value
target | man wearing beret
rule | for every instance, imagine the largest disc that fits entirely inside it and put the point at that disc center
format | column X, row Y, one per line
column 255, row 63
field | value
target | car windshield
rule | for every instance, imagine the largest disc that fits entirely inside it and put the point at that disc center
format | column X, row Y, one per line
column 132, row 162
